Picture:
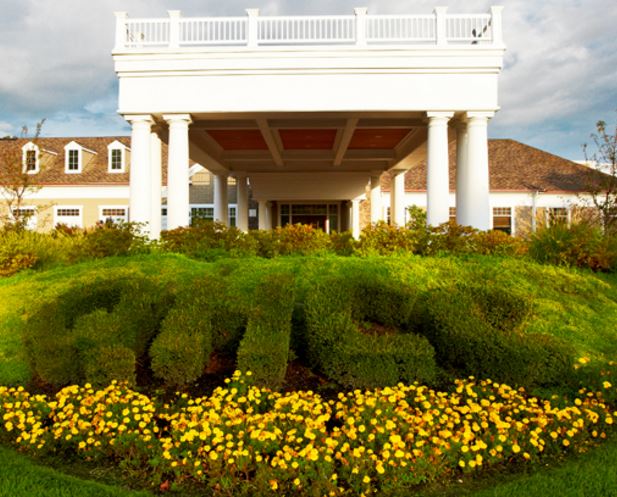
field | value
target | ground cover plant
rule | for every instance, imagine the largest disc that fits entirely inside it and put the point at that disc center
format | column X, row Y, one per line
column 247, row 440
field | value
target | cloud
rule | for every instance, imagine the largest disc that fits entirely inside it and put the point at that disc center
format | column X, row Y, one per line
column 559, row 75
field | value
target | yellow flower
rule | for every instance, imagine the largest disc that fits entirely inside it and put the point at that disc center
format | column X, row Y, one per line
column 366, row 480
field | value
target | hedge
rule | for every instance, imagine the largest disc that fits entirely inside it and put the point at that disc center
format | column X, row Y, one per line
column 337, row 346
column 264, row 349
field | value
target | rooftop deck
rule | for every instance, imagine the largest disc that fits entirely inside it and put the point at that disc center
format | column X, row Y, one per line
column 360, row 29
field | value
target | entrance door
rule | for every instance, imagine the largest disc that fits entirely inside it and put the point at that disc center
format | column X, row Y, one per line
column 323, row 216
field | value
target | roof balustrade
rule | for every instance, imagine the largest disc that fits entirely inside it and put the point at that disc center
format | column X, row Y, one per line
column 360, row 29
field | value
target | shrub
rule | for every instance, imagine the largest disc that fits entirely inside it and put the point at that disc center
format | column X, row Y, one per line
column 113, row 239
column 23, row 249
column 342, row 243
column 338, row 346
column 452, row 238
column 300, row 239
column 581, row 245
column 383, row 239
column 494, row 242
column 474, row 331
column 264, row 350
column 178, row 357
column 208, row 240
column 107, row 363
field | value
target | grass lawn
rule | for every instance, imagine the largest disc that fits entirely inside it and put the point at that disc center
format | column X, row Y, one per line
column 593, row 474
column 21, row 477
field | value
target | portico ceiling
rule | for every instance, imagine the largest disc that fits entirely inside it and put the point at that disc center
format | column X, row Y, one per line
column 308, row 143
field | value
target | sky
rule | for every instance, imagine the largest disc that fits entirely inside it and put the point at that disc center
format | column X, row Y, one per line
column 559, row 76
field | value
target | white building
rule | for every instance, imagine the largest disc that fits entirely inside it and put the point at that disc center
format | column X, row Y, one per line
column 310, row 110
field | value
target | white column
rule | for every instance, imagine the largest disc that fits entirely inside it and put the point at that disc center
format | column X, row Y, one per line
column 397, row 199
column 355, row 218
column 376, row 207
column 178, row 170
column 476, row 182
column 462, row 174
column 437, row 180
column 242, row 203
column 139, row 181
column 221, row 205
column 263, row 215
column 156, row 182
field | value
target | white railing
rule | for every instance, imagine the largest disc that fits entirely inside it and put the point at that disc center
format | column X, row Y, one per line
column 473, row 28
column 306, row 29
column 213, row 31
column 439, row 28
column 400, row 29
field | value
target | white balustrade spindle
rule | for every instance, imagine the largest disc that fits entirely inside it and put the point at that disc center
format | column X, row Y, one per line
column 213, row 31
column 401, row 29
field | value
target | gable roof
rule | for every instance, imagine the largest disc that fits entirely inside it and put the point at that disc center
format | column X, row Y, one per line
column 515, row 167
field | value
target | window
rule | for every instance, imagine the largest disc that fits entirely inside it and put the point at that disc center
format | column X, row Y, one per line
column 73, row 155
column 116, row 160
column 69, row 215
column 322, row 216
column 117, row 214
column 116, row 157
column 27, row 215
column 206, row 213
column 30, row 157
column 232, row 216
column 557, row 215
column 72, row 160
column 502, row 219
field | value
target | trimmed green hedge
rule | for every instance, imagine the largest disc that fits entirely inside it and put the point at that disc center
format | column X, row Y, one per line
column 475, row 331
column 264, row 350
column 337, row 308
column 64, row 333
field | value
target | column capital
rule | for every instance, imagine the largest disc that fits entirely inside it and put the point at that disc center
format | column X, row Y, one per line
column 438, row 115
column 173, row 118
column 139, row 118
column 479, row 115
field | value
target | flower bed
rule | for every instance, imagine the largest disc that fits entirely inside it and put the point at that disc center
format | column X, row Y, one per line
column 245, row 439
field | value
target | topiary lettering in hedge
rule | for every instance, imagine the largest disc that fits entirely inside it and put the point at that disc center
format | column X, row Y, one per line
column 476, row 331
column 264, row 349
column 343, row 352
column 64, row 332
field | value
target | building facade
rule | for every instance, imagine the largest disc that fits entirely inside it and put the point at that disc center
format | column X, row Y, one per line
column 308, row 110
column 82, row 181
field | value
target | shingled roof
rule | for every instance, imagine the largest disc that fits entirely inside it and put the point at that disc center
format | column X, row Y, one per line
column 515, row 167
column 94, row 170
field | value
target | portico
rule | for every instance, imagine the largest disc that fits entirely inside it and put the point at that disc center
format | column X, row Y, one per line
column 309, row 111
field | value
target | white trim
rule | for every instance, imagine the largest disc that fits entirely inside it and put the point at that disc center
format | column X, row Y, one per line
column 77, row 192
column 116, row 145
column 28, row 147
column 125, row 218
column 57, row 218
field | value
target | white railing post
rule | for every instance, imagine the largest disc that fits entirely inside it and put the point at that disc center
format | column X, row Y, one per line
column 440, row 25
column 252, row 31
column 496, row 24
column 174, row 28
column 360, row 13
column 120, row 30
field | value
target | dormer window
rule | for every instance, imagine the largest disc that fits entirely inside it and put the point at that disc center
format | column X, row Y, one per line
column 116, row 162
column 30, row 158
column 73, row 158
